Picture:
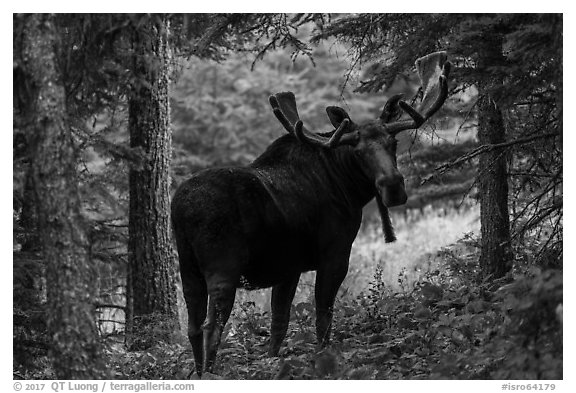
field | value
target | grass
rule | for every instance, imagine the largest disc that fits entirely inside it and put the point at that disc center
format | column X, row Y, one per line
column 412, row 254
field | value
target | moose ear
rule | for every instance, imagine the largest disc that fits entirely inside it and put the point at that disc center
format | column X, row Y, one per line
column 391, row 109
column 337, row 115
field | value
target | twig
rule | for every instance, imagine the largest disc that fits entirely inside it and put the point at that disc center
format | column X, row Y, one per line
column 111, row 320
column 552, row 234
column 485, row 148
column 536, row 200
column 216, row 30
column 107, row 305
column 466, row 117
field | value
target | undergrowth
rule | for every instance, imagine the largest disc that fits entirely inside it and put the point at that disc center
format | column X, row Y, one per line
column 445, row 325
column 448, row 325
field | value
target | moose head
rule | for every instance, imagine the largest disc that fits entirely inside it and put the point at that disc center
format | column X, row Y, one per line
column 374, row 142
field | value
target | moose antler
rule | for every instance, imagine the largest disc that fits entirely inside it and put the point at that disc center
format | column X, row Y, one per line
column 319, row 140
column 391, row 109
column 433, row 70
column 284, row 107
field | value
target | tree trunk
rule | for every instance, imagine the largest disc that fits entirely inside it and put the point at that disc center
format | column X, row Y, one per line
column 151, row 266
column 75, row 349
column 496, row 250
column 29, row 217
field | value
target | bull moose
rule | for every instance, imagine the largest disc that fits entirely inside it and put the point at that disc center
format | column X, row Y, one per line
column 296, row 208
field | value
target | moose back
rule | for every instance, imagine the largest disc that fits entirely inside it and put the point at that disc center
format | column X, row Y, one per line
column 296, row 208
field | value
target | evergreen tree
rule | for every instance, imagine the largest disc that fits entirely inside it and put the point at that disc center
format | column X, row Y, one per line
column 496, row 248
column 74, row 348
column 151, row 287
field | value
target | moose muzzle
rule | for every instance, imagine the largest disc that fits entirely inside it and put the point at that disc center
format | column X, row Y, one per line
column 392, row 190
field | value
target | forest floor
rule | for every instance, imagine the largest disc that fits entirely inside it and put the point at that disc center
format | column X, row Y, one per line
column 405, row 311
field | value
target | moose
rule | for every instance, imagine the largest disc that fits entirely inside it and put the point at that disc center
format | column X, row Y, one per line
column 296, row 208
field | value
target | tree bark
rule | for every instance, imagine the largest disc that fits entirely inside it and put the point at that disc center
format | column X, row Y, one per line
column 29, row 217
column 496, row 250
column 70, row 276
column 151, row 267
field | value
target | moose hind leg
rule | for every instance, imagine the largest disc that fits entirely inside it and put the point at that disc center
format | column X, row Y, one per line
column 282, row 296
column 220, row 303
column 196, row 297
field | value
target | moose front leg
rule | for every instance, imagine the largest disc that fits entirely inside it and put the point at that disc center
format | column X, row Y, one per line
column 328, row 282
column 282, row 296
